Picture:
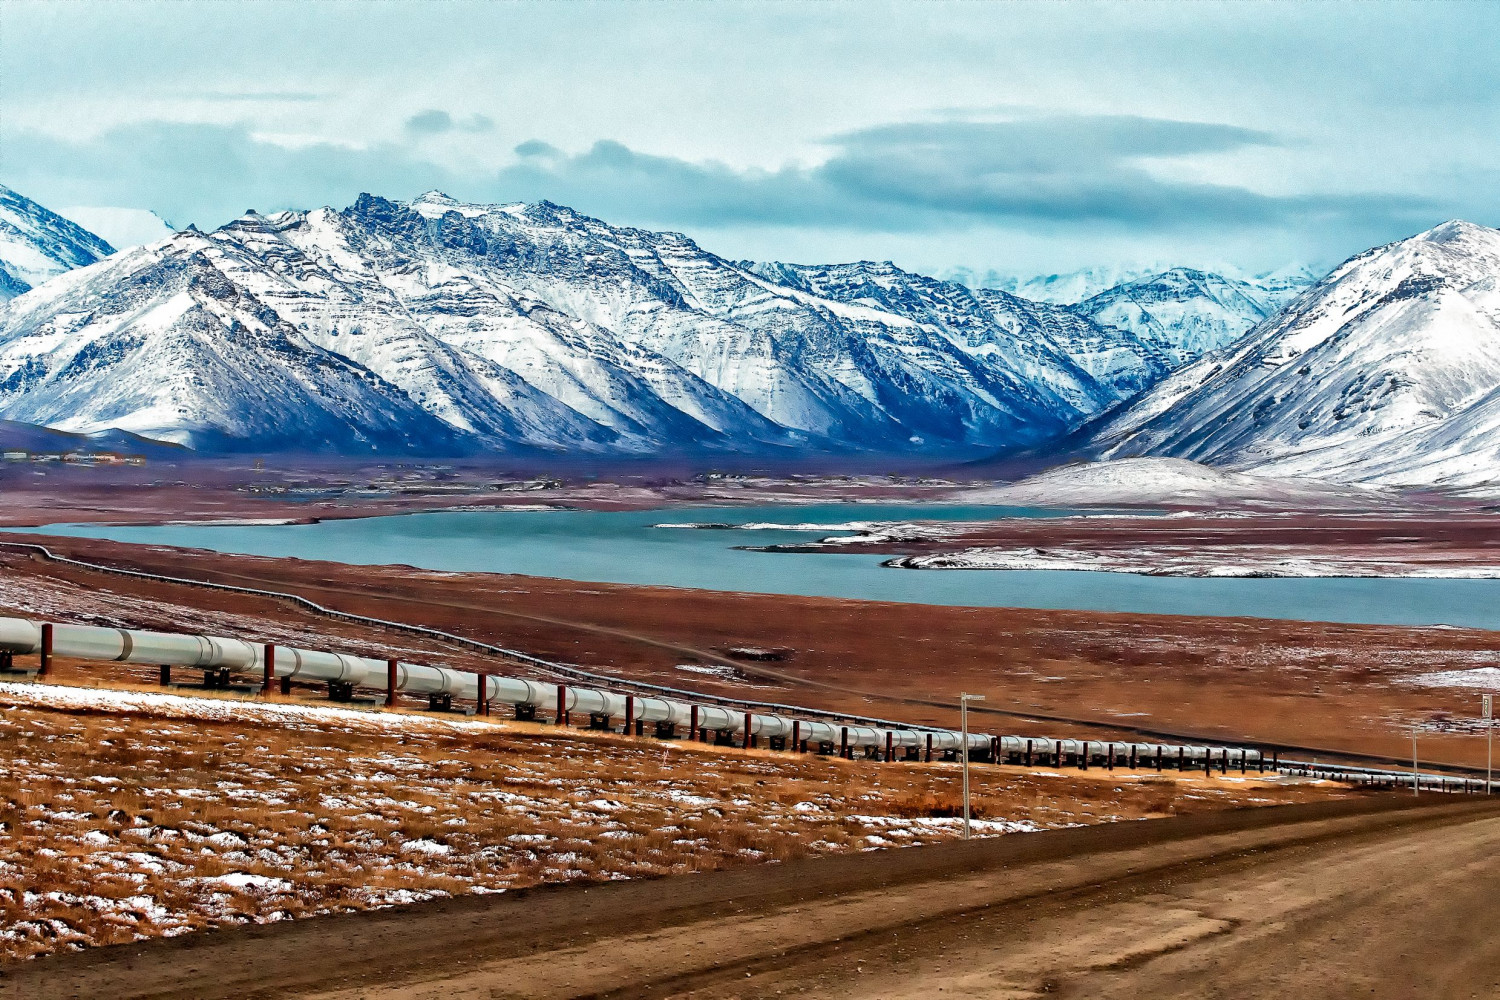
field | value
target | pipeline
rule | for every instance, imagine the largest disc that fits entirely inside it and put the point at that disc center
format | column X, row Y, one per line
column 92, row 642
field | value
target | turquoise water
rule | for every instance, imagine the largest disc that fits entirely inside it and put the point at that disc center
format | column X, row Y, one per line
column 623, row 547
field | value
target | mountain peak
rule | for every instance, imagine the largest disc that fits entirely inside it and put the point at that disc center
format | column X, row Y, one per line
column 1458, row 231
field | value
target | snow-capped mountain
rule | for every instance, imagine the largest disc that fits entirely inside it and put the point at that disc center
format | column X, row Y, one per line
column 37, row 244
column 435, row 324
column 1386, row 371
column 1055, row 349
column 1186, row 312
column 1058, row 289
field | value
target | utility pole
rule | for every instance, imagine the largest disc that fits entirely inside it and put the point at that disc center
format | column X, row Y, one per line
column 1416, row 776
column 963, row 716
column 1488, row 702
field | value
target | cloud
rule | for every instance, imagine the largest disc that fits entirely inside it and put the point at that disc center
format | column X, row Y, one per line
column 265, row 96
column 208, row 174
column 981, row 183
column 434, row 121
column 1077, row 171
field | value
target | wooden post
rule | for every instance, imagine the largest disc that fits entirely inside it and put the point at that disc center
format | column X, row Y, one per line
column 629, row 729
column 562, row 706
column 44, row 663
column 748, row 737
column 693, row 724
column 390, row 682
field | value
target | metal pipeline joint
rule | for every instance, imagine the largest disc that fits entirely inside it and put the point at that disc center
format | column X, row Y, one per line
column 92, row 642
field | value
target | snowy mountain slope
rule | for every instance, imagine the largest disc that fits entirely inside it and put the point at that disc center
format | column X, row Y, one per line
column 1011, row 337
column 853, row 375
column 1186, row 312
column 436, row 276
column 36, row 244
column 1386, row 371
column 163, row 343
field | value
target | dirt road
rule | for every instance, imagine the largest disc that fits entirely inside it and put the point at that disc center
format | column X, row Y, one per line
column 1370, row 898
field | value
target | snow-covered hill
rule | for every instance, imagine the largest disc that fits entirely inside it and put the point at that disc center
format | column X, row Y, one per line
column 37, row 244
column 1386, row 371
column 1185, row 312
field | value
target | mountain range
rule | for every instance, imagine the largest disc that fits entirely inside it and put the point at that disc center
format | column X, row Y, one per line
column 439, row 327
column 434, row 326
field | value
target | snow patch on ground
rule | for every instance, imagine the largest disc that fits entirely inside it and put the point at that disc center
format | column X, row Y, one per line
column 1169, row 482
column 1247, row 562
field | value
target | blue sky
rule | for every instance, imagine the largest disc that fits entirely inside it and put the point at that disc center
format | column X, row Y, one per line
column 1019, row 137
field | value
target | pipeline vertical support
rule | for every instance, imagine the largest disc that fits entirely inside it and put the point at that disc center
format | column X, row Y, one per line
column 796, row 736
column 844, row 741
column 748, row 736
column 1109, row 759
column 629, row 729
column 165, row 671
column 1083, row 758
column 1029, row 757
column 44, row 663
column 482, row 695
column 1159, row 751
column 1182, row 758
column 286, row 684
column 929, row 748
column 995, row 750
column 1224, row 761
column 390, row 682
column 1057, row 760
column 693, row 724
column 890, row 746
column 561, row 719
column 268, row 667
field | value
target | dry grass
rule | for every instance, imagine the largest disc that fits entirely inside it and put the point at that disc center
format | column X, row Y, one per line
column 130, row 819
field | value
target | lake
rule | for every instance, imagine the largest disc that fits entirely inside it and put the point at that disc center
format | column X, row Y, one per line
column 624, row 547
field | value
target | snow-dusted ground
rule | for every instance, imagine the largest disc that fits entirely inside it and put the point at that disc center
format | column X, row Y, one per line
column 127, row 815
column 1476, row 678
column 1241, row 561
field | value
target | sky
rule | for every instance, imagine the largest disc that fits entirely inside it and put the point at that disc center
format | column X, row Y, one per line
column 1011, row 137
